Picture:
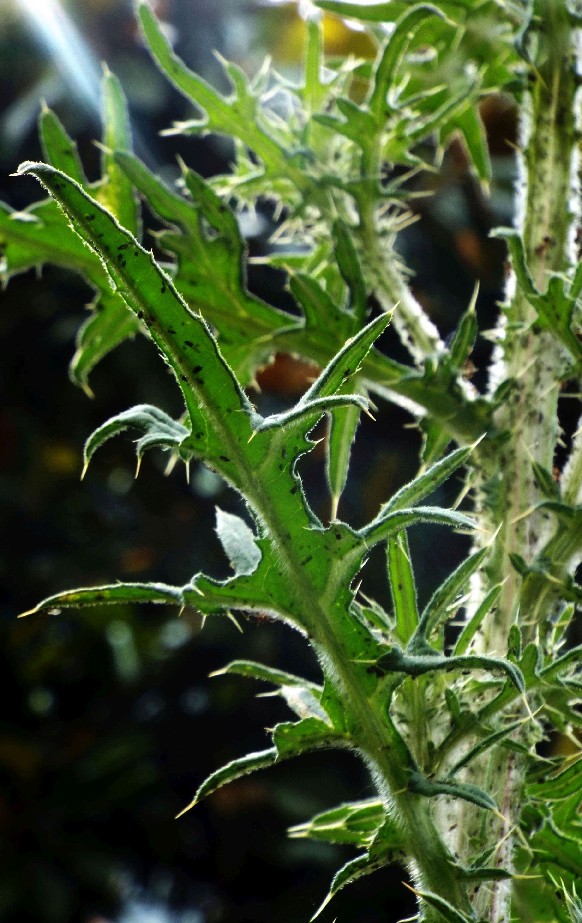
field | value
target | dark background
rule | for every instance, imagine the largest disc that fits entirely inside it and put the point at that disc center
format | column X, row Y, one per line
column 108, row 720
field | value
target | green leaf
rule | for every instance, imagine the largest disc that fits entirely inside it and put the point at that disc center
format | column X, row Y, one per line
column 255, row 670
column 560, row 786
column 469, row 123
column 402, row 587
column 431, row 788
column 349, row 266
column 350, row 872
column 292, row 738
column 389, row 522
column 109, row 325
column 212, row 395
column 546, row 482
column 385, row 848
column 476, row 620
column 58, row 148
column 437, row 610
column 116, row 192
column 232, row 771
column 446, row 909
column 465, row 335
column 395, row 660
column 236, row 116
column 355, row 824
column 427, row 482
column 483, row 745
column 115, row 594
column 343, row 424
column 238, row 541
column 347, row 362
column 391, row 57
column 157, row 428
column 209, row 270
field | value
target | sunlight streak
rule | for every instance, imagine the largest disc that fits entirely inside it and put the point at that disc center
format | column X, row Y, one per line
column 72, row 55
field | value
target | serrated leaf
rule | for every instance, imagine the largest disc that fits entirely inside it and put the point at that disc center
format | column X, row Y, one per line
column 209, row 270
column 109, row 325
column 183, row 337
column 159, row 429
column 238, row 541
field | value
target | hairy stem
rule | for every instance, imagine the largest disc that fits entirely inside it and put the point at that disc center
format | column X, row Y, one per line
column 527, row 421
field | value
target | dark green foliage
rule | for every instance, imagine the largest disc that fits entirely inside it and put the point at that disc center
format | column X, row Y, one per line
column 424, row 712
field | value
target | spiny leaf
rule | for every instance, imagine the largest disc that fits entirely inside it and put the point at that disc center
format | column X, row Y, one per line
column 159, row 428
column 232, row 116
column 436, row 610
column 464, row 338
column 559, row 786
column 446, row 909
column 117, row 593
column 232, row 771
column 292, row 738
column 109, row 325
column 342, row 431
column 217, row 407
column 347, row 362
column 355, row 823
column 390, row 522
column 402, row 587
column 385, row 847
column 428, row 481
column 269, row 674
column 209, row 271
column 484, row 745
column 350, row 872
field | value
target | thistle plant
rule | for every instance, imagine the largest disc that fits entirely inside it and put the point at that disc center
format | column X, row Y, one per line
column 450, row 723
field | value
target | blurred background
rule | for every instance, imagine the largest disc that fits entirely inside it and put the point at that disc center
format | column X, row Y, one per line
column 108, row 719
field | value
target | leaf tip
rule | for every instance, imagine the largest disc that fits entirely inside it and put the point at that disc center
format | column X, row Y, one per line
column 185, row 810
